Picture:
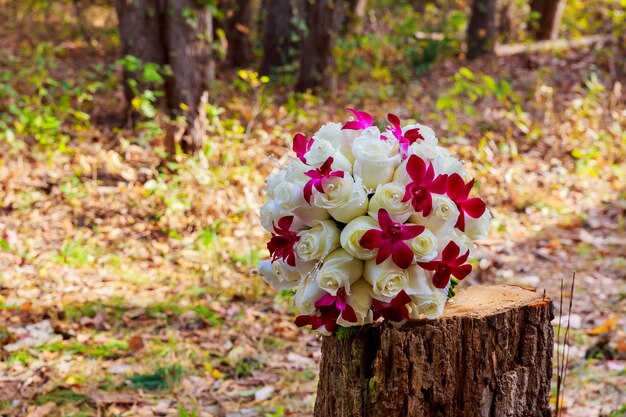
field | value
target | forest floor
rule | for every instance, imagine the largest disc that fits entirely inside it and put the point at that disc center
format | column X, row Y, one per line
column 126, row 289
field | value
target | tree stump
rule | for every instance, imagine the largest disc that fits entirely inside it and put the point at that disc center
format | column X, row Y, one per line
column 489, row 355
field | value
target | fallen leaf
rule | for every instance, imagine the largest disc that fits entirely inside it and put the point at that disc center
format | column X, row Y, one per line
column 605, row 327
column 264, row 393
column 42, row 410
column 99, row 398
column 136, row 343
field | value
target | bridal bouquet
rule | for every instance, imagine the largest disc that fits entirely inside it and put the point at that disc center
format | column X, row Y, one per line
column 368, row 224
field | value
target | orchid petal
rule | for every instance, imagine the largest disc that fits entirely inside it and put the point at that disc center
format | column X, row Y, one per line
column 371, row 239
column 384, row 219
column 383, row 253
column 415, row 167
column 475, row 207
column 402, row 255
column 427, row 205
column 438, row 186
column 409, row 231
column 461, row 272
column 455, row 186
column 450, row 252
column 349, row 314
column 308, row 191
column 440, row 280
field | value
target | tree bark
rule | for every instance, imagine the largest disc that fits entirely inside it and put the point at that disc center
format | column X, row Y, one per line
column 141, row 33
column 324, row 19
column 189, row 39
column 489, row 355
column 550, row 13
column 282, row 33
column 177, row 33
column 355, row 17
column 505, row 21
column 238, row 27
column 481, row 30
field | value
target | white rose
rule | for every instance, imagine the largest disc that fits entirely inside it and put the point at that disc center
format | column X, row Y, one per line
column 426, row 300
column 344, row 198
column 477, row 229
column 386, row 279
column 428, row 305
column 271, row 212
column 339, row 270
column 442, row 218
column 375, row 160
column 321, row 151
column 389, row 196
column 427, row 133
column 463, row 242
column 279, row 275
column 401, row 175
column 424, row 246
column 330, row 132
column 318, row 241
column 448, row 165
column 289, row 195
column 273, row 181
column 349, row 136
column 426, row 149
column 353, row 232
column 310, row 215
column 307, row 294
column 360, row 300
column 294, row 171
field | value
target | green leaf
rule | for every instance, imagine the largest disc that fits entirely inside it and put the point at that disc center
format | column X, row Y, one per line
column 161, row 379
column 467, row 73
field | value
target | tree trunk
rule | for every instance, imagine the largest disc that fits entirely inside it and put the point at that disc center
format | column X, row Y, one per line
column 141, row 33
column 550, row 13
column 489, row 355
column 481, row 31
column 238, row 27
column 505, row 21
column 355, row 16
column 282, row 33
column 324, row 19
column 189, row 40
column 177, row 33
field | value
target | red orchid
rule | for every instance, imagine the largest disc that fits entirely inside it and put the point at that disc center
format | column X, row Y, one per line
column 331, row 307
column 405, row 139
column 390, row 240
column 458, row 192
column 301, row 145
column 317, row 176
column 363, row 120
column 424, row 184
column 450, row 264
column 395, row 310
column 283, row 240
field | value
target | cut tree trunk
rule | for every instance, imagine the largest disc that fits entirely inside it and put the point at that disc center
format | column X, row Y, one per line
column 550, row 13
column 481, row 30
column 324, row 19
column 489, row 355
